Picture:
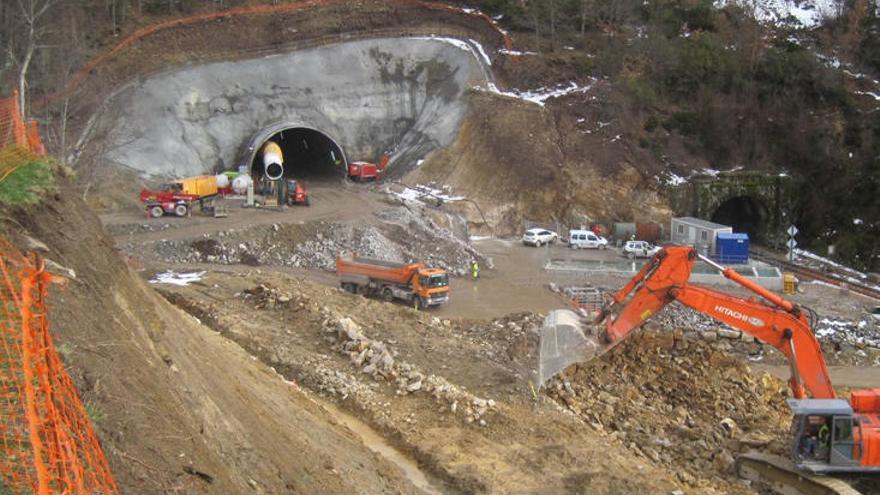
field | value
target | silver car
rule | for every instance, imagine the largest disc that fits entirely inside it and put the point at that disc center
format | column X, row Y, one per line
column 539, row 237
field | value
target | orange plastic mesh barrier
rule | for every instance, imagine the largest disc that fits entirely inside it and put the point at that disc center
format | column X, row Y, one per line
column 14, row 131
column 266, row 9
column 47, row 444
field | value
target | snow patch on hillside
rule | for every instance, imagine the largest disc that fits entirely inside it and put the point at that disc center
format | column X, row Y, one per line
column 804, row 13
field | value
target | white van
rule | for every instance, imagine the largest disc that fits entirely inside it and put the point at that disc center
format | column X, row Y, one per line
column 579, row 239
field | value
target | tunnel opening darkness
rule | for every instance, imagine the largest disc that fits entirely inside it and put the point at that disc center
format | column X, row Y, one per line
column 308, row 154
column 744, row 214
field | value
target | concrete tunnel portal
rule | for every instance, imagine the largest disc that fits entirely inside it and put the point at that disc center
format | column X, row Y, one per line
column 309, row 153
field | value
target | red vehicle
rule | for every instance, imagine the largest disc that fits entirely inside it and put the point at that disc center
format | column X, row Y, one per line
column 170, row 200
column 364, row 171
column 296, row 193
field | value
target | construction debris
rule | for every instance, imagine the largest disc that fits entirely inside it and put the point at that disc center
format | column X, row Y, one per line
column 679, row 403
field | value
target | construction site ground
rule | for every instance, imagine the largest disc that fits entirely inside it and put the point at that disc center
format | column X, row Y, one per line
column 483, row 345
column 262, row 376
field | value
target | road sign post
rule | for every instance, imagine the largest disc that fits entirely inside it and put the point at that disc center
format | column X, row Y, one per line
column 792, row 231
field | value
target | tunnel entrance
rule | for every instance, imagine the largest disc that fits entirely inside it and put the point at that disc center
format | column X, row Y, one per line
column 308, row 154
column 744, row 214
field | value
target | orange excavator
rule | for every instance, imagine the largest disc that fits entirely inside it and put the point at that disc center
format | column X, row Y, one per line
column 831, row 435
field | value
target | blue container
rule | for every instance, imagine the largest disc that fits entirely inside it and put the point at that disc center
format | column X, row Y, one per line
column 732, row 249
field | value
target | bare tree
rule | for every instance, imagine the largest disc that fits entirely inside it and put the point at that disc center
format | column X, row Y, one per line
column 31, row 14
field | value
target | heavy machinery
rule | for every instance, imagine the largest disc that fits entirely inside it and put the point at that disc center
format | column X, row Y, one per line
column 177, row 197
column 366, row 171
column 296, row 193
column 410, row 282
column 852, row 444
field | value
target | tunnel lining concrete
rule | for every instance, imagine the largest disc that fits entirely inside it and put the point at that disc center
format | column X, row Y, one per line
column 256, row 141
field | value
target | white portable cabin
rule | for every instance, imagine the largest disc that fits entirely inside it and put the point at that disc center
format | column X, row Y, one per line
column 702, row 234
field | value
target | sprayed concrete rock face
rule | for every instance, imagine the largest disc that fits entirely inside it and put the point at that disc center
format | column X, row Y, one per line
column 368, row 96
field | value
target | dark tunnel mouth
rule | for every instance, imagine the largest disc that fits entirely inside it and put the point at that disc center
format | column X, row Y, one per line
column 744, row 214
column 308, row 154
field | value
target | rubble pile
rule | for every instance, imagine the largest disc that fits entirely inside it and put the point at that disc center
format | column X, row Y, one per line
column 843, row 341
column 400, row 235
column 677, row 402
column 376, row 359
column 510, row 339
column 266, row 297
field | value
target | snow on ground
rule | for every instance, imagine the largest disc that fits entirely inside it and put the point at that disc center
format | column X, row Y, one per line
column 804, row 13
column 173, row 278
column 470, row 46
column 542, row 94
column 514, row 53
column 825, row 261
column 420, row 191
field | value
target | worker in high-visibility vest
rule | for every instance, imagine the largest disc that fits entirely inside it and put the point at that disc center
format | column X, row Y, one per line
column 475, row 270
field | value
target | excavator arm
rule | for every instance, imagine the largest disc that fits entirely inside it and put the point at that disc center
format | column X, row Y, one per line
column 783, row 325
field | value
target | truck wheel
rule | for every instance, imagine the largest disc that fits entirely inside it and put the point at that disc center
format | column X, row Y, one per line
column 180, row 210
column 156, row 211
column 387, row 295
column 307, row 202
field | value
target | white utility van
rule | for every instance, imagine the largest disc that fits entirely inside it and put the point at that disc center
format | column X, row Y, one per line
column 579, row 239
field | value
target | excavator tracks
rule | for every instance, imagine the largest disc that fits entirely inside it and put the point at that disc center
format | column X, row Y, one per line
column 783, row 477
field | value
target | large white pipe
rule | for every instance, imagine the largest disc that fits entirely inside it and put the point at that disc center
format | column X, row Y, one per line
column 273, row 161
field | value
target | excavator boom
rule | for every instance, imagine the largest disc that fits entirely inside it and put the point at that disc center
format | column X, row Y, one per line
column 777, row 322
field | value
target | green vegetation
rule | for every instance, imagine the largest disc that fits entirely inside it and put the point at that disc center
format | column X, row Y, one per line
column 27, row 184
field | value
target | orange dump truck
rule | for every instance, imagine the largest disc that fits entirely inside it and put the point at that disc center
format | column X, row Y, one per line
column 410, row 282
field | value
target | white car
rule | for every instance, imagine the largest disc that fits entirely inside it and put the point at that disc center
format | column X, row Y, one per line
column 580, row 239
column 639, row 249
column 539, row 237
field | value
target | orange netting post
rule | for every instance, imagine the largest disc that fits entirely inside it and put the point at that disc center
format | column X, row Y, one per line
column 47, row 444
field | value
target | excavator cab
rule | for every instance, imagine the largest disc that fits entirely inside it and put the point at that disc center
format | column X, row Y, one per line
column 826, row 435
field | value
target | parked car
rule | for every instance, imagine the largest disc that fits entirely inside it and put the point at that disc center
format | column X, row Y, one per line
column 639, row 249
column 579, row 239
column 539, row 237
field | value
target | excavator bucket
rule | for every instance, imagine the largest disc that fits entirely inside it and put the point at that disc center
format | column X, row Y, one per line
column 564, row 341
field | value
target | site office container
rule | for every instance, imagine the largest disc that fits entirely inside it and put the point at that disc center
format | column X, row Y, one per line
column 732, row 248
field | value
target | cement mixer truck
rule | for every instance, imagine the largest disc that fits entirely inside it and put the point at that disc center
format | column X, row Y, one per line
column 410, row 282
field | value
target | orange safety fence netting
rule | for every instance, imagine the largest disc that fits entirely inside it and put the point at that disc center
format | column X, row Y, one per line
column 47, row 444
column 14, row 131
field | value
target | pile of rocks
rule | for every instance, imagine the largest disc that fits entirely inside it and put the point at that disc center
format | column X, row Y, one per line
column 680, row 403
column 861, row 333
column 321, row 250
column 378, row 360
column 400, row 235
column 265, row 297
column 511, row 339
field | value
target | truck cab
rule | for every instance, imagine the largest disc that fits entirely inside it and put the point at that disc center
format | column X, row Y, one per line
column 432, row 286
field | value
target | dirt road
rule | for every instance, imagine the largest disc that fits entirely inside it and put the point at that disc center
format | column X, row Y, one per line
column 331, row 199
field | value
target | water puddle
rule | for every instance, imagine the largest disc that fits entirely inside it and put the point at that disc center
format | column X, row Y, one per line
column 377, row 444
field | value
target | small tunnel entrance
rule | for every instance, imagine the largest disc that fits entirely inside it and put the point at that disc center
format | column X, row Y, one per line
column 308, row 154
column 744, row 214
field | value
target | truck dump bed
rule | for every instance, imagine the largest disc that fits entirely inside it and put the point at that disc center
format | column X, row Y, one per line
column 389, row 271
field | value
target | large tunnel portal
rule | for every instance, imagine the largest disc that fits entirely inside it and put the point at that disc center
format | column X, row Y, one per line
column 744, row 214
column 308, row 154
